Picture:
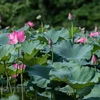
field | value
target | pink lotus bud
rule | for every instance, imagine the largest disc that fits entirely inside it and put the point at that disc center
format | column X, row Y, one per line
column 94, row 59
column 81, row 40
column 96, row 28
column 14, row 76
column 70, row 16
column 30, row 24
column 50, row 43
column 20, row 67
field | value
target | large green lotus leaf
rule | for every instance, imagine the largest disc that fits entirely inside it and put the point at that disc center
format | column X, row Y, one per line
column 77, row 77
column 97, row 53
column 54, row 34
column 28, row 47
column 73, row 51
column 39, row 74
column 59, row 65
column 84, row 91
column 94, row 94
column 3, row 39
column 67, row 90
column 5, row 50
column 35, row 60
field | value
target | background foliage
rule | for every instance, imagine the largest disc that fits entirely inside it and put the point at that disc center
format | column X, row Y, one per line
column 54, row 12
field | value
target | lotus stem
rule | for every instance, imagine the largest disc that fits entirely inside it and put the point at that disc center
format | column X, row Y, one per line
column 53, row 95
column 22, row 88
column 8, row 82
column 42, row 26
column 16, row 71
column 52, row 54
column 1, row 89
column 36, row 95
column 72, row 31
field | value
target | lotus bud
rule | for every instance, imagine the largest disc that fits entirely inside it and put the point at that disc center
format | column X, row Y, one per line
column 96, row 28
column 70, row 16
column 14, row 76
column 50, row 43
column 94, row 59
column 83, row 30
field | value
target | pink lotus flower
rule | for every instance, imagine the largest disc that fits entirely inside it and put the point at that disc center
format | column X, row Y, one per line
column 14, row 76
column 94, row 59
column 16, row 37
column 94, row 34
column 20, row 67
column 70, row 16
column 81, row 40
column 30, row 24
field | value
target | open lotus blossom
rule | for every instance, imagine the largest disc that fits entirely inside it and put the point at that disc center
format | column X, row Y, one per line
column 81, row 40
column 14, row 76
column 19, row 66
column 94, row 34
column 70, row 16
column 16, row 37
column 30, row 24
column 94, row 59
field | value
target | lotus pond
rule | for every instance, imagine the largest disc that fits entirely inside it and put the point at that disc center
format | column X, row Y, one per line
column 49, row 64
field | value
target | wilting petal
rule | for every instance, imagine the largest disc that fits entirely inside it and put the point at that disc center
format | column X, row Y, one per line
column 31, row 24
column 94, row 34
column 81, row 40
column 21, row 37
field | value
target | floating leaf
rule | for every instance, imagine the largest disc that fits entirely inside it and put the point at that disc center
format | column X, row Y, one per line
column 77, row 77
column 40, row 75
column 73, row 51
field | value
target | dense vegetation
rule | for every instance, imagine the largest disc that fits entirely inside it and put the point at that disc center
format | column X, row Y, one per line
column 54, row 12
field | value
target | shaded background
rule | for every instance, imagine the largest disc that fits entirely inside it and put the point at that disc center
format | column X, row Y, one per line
column 54, row 12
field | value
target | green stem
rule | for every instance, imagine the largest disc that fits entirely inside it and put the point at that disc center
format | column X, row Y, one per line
column 8, row 82
column 53, row 95
column 95, row 68
column 52, row 54
column 36, row 95
column 16, row 72
column 22, row 87
column 42, row 26
column 1, row 89
column 72, row 30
